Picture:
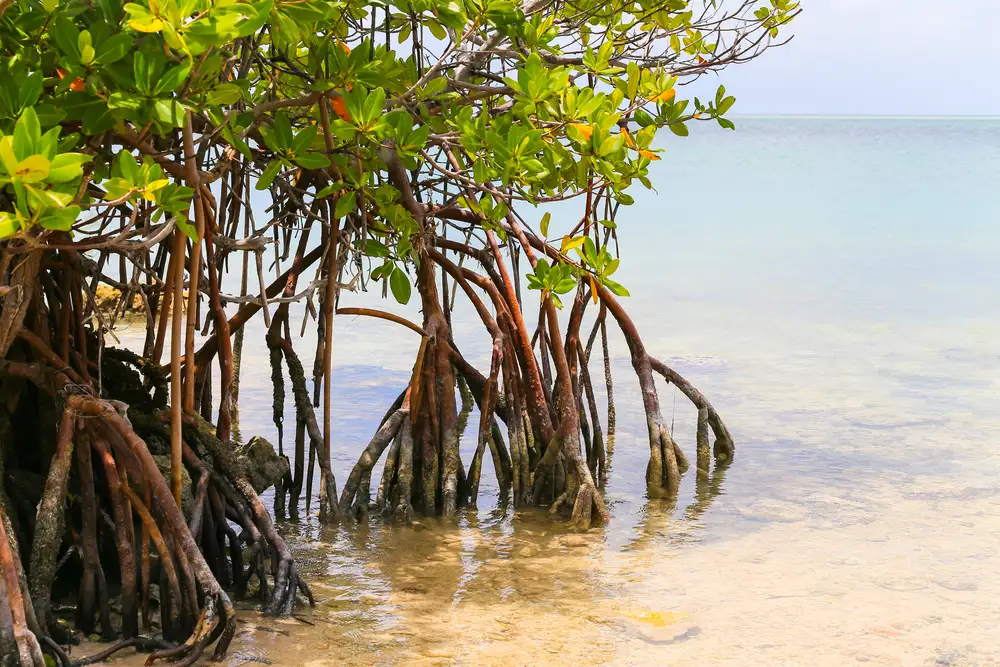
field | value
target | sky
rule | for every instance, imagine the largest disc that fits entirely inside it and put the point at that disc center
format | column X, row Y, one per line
column 879, row 57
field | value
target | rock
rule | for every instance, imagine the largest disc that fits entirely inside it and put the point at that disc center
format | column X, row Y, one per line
column 264, row 466
column 187, row 493
column 574, row 541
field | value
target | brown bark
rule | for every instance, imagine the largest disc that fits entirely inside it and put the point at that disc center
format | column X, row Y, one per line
column 123, row 541
column 93, row 586
column 29, row 652
column 370, row 456
column 50, row 521
column 176, row 400
column 724, row 447
column 224, row 423
column 217, row 602
column 327, row 504
column 193, row 179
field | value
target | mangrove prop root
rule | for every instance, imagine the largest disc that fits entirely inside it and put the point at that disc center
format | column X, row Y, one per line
column 218, row 614
column 724, row 446
column 50, row 520
column 12, row 602
column 93, row 585
column 286, row 578
column 329, row 508
column 371, row 455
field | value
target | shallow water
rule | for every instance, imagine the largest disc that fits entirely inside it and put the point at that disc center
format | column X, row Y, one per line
column 831, row 286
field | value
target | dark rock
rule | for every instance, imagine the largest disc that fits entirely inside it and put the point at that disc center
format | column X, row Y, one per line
column 264, row 466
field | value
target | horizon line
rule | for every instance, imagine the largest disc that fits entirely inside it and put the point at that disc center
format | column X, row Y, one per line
column 867, row 116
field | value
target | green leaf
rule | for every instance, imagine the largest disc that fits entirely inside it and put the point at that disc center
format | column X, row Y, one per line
column 140, row 72
column 374, row 104
column 60, row 219
column 129, row 168
column 266, row 178
column 116, row 188
column 7, row 156
column 680, row 129
column 67, row 167
column 49, row 143
column 345, row 204
column 172, row 79
column 283, row 131
column 86, row 44
column 564, row 285
column 545, row 224
column 330, row 189
column 224, row 94
column 8, row 225
column 610, row 145
column 304, row 139
column 113, row 49
column 437, row 30
column 590, row 251
column 615, row 288
column 312, row 160
column 31, row 88
column 27, row 134
column 725, row 105
column 189, row 230
column 66, row 36
column 374, row 248
column 399, row 283
column 169, row 112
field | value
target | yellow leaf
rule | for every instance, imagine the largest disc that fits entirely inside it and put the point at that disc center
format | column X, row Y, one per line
column 593, row 288
column 649, row 154
column 628, row 137
column 570, row 243
column 665, row 96
column 7, row 156
column 584, row 129
column 144, row 24
column 32, row 169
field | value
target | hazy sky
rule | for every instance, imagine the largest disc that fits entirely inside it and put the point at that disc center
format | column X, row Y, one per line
column 906, row 57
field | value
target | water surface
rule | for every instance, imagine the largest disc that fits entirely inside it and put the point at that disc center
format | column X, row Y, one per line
column 832, row 286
